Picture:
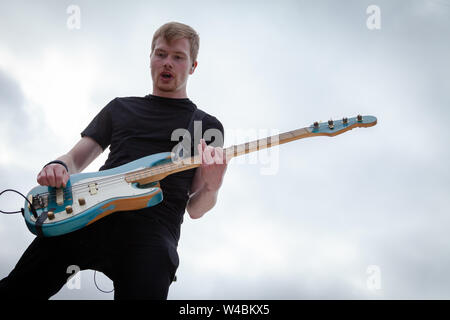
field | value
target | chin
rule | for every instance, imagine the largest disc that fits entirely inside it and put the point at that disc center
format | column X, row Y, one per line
column 167, row 89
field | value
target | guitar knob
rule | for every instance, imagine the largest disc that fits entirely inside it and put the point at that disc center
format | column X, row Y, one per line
column 81, row 201
column 50, row 215
column 344, row 120
column 316, row 125
column 359, row 118
column 69, row 209
column 330, row 124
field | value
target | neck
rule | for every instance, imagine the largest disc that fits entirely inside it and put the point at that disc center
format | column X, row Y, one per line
column 170, row 94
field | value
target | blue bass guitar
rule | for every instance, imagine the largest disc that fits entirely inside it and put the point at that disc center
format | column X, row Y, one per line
column 89, row 197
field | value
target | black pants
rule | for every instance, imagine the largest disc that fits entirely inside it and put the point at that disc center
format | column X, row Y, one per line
column 136, row 252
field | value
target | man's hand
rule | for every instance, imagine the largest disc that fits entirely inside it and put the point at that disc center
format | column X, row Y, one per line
column 53, row 175
column 214, row 165
column 207, row 180
column 78, row 158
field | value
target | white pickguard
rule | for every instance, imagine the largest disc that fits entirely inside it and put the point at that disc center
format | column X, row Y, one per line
column 107, row 189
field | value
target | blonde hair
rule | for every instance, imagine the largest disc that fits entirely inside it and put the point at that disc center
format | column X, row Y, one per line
column 176, row 30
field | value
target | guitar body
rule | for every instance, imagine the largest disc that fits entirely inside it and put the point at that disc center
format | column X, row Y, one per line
column 89, row 197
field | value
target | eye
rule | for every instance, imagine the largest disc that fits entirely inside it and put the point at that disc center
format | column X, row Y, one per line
column 160, row 54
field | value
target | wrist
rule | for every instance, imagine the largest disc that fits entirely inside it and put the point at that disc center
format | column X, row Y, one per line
column 209, row 189
column 58, row 162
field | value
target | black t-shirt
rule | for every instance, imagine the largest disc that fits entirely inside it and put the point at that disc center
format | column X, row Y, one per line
column 135, row 127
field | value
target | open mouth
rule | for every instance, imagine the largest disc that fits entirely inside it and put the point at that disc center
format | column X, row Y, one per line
column 166, row 75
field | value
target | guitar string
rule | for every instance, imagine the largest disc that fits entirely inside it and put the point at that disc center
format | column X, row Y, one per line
column 52, row 196
column 107, row 182
column 144, row 173
column 134, row 176
column 139, row 174
column 117, row 178
column 114, row 178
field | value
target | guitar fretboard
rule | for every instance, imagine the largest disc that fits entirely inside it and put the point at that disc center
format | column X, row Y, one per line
column 160, row 171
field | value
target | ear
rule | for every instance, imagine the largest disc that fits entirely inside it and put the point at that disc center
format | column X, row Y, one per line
column 194, row 65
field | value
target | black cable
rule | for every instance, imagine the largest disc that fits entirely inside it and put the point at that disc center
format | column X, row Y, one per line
column 33, row 210
column 35, row 215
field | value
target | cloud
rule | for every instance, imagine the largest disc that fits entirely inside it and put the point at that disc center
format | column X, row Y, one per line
column 11, row 97
column 12, row 103
column 375, row 196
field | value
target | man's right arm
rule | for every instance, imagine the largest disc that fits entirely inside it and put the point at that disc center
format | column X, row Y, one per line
column 77, row 159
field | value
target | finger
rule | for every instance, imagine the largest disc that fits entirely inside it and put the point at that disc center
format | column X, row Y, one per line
column 206, row 157
column 209, row 155
column 204, row 160
column 66, row 178
column 58, row 177
column 50, row 176
column 200, row 152
column 41, row 178
column 218, row 155
column 60, row 174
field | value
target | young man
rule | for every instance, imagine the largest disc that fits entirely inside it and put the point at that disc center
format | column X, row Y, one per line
column 136, row 249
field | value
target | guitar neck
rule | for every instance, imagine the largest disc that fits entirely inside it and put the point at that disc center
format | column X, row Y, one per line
column 256, row 145
column 330, row 129
column 158, row 172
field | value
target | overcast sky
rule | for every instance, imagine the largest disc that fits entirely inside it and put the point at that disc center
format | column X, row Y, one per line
column 364, row 215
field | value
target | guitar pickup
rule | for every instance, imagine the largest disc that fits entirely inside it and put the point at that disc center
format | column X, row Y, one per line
column 60, row 196
column 93, row 188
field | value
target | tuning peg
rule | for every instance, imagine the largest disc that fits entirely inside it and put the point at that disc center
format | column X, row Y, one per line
column 330, row 124
column 345, row 120
column 359, row 118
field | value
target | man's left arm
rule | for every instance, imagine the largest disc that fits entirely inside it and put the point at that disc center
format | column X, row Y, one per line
column 207, row 180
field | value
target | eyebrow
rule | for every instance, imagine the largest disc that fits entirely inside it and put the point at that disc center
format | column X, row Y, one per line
column 176, row 52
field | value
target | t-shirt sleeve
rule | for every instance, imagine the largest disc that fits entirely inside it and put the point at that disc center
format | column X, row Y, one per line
column 100, row 128
column 213, row 134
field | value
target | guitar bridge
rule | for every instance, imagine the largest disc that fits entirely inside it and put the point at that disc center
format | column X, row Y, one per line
column 40, row 201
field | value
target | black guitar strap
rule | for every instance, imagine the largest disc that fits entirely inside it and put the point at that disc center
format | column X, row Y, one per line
column 40, row 220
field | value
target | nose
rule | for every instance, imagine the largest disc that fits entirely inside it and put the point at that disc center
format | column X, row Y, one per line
column 167, row 63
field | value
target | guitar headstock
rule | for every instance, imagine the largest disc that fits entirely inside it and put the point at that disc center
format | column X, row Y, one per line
column 335, row 127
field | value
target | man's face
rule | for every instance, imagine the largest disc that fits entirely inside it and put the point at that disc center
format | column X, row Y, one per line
column 171, row 65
